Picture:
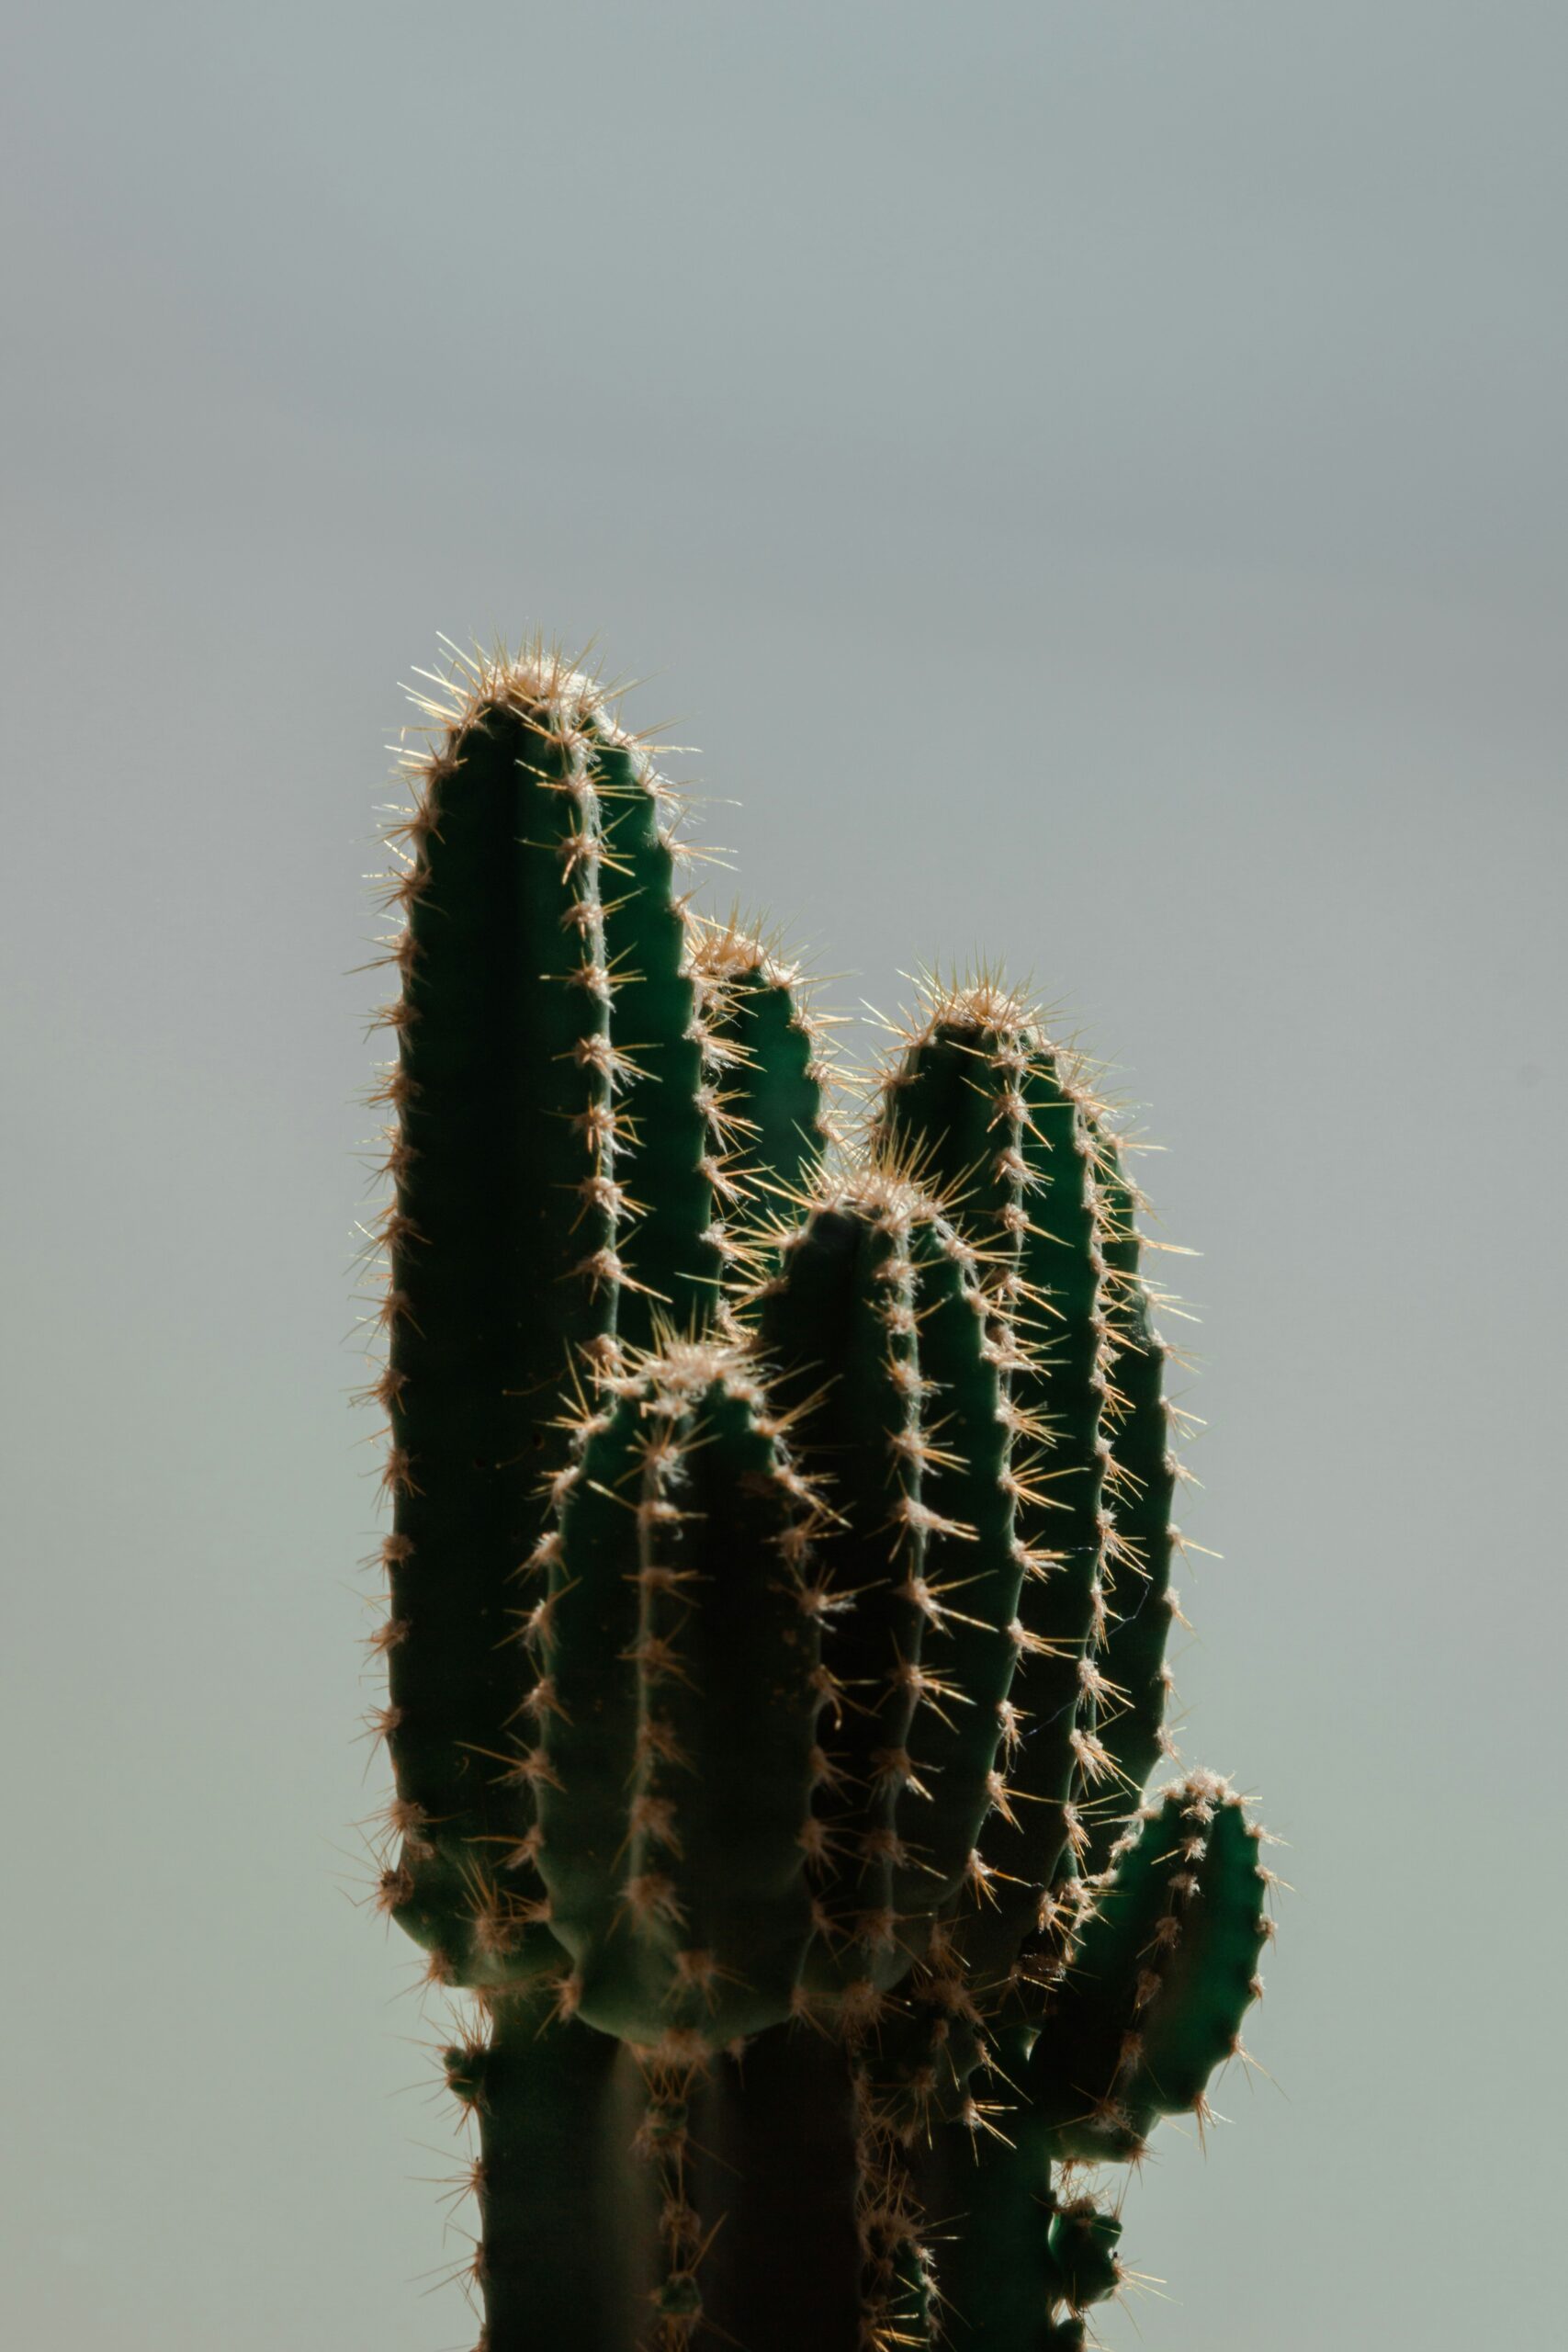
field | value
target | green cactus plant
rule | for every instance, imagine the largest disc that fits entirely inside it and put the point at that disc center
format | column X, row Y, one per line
column 779, row 1583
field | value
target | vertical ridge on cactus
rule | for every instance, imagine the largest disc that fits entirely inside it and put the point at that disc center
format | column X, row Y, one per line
column 779, row 1581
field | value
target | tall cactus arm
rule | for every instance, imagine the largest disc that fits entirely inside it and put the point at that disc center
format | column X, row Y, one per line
column 988, row 1106
column 501, row 1246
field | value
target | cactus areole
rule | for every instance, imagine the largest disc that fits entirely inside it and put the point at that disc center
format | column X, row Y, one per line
column 779, row 1583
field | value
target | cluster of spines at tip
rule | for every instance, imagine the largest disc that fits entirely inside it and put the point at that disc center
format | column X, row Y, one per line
column 572, row 713
column 568, row 710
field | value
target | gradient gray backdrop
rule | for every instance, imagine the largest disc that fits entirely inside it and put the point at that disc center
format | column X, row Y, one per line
column 1091, row 475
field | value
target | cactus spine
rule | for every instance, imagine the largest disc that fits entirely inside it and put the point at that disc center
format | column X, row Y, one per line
column 779, row 1583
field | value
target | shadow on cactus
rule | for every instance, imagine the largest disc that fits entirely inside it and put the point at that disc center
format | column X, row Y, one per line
column 780, row 1581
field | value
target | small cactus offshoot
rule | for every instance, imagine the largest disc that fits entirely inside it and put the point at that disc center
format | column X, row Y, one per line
column 779, row 1585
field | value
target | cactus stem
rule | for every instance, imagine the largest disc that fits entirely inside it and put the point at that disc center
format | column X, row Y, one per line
column 843, row 1493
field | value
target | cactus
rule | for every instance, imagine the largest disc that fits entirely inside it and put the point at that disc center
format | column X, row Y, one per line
column 779, row 1585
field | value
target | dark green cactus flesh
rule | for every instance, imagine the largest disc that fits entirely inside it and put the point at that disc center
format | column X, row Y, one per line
column 779, row 1587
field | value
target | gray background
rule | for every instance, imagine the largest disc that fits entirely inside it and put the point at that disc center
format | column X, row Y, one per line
column 1091, row 476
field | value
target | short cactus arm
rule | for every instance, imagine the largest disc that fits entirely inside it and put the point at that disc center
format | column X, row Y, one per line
column 679, row 1669
column 1150, row 2003
column 1160, row 1981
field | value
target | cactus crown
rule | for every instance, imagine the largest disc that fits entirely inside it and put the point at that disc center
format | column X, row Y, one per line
column 779, row 1583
